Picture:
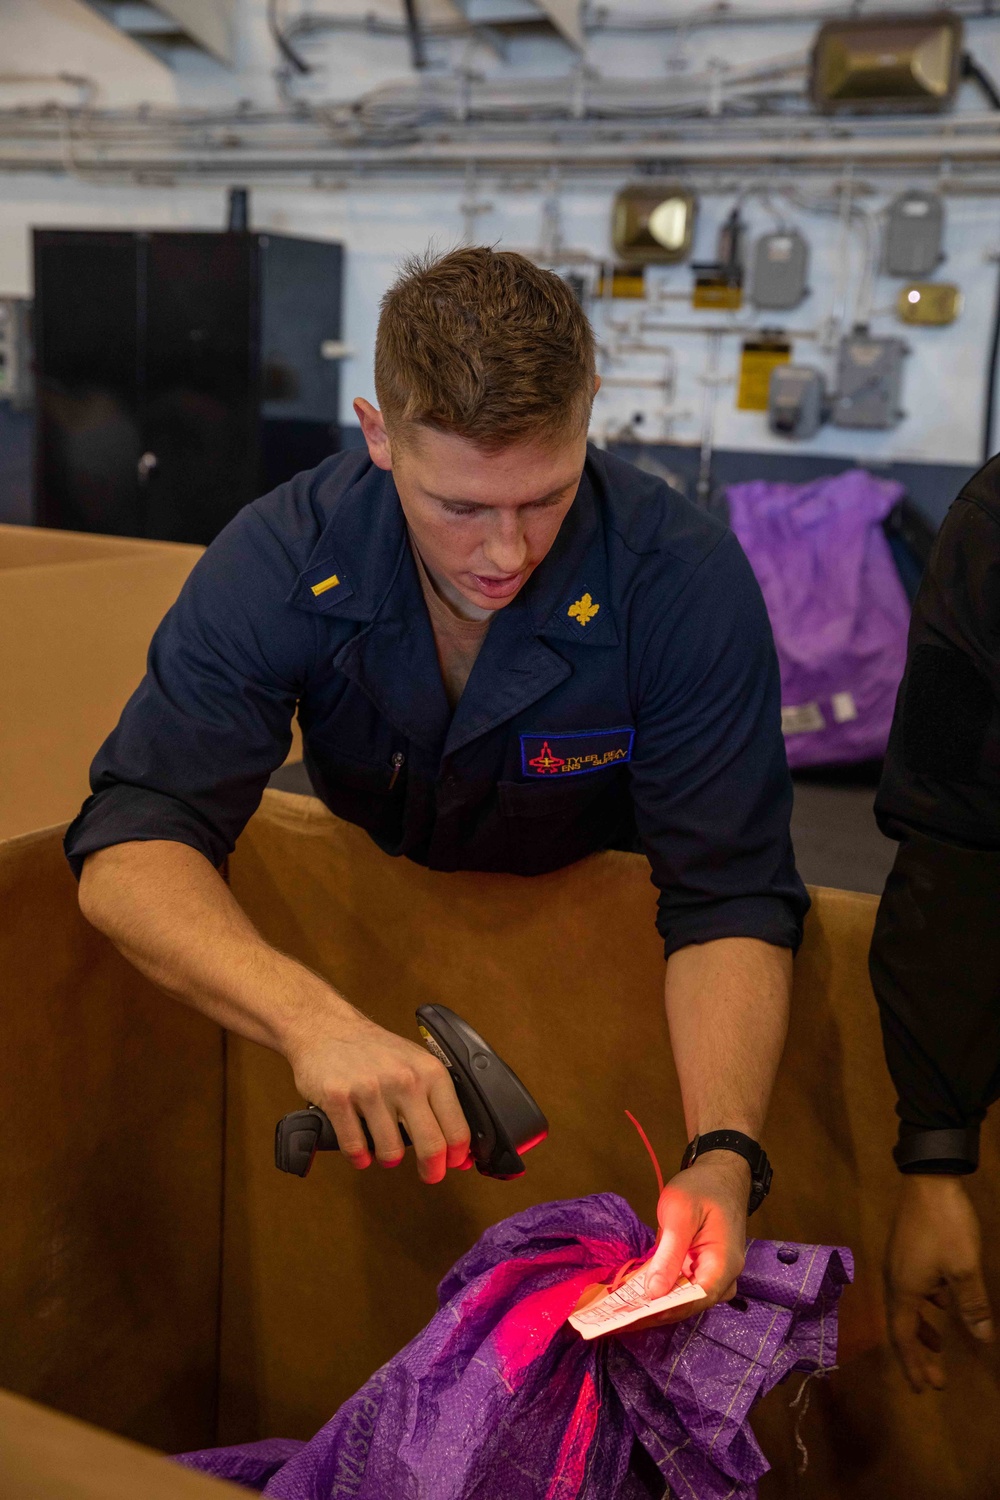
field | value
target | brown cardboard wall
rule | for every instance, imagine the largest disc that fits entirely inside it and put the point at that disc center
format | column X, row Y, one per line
column 42, row 546
column 76, row 616
column 77, row 613
column 111, row 1104
column 111, row 1125
column 45, row 1456
column 326, row 1278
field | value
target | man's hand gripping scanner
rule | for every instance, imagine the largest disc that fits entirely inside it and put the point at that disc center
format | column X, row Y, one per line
column 504, row 1119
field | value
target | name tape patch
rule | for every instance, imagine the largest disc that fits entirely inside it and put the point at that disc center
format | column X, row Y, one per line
column 575, row 754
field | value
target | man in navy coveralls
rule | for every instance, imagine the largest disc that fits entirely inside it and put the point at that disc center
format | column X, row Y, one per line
column 506, row 650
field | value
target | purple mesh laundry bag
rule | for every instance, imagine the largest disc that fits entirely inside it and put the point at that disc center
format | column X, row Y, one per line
column 499, row 1399
column 838, row 609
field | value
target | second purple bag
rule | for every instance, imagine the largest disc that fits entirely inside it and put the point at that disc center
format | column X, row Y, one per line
column 838, row 609
column 499, row 1399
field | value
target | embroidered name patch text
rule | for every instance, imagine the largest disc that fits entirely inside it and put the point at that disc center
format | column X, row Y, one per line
column 575, row 754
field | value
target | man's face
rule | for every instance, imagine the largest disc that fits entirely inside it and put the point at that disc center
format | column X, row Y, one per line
column 482, row 522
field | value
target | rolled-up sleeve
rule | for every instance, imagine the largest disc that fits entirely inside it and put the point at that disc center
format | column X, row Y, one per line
column 711, row 787
column 212, row 718
column 935, row 954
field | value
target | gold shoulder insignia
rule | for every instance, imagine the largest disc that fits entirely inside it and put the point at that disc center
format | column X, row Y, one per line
column 333, row 582
column 583, row 610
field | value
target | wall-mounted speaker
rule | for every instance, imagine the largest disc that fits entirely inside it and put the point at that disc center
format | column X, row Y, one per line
column 653, row 223
column 887, row 64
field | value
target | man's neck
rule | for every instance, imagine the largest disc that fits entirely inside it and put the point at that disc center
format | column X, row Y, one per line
column 448, row 594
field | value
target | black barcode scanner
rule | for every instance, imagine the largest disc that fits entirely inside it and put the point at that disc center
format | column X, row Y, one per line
column 503, row 1118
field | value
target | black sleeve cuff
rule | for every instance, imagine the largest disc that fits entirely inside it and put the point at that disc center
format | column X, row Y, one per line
column 124, row 814
column 771, row 919
column 945, row 1152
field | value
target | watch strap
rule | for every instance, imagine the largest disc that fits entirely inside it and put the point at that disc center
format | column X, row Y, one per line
column 751, row 1151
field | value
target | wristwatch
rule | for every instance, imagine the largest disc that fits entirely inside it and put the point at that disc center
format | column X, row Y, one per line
column 751, row 1151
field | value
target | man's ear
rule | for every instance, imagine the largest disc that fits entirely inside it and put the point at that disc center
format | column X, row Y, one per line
column 376, row 437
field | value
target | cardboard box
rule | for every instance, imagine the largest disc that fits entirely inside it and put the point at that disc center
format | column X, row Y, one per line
column 77, row 612
column 162, row 1279
column 44, row 1456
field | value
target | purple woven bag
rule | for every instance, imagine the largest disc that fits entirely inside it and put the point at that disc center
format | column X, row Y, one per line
column 499, row 1399
column 838, row 609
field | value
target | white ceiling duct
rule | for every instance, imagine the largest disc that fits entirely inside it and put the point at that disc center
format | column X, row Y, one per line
column 210, row 23
column 562, row 15
column 160, row 24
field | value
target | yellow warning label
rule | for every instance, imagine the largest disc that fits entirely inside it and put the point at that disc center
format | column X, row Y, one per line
column 756, row 363
column 724, row 294
column 624, row 281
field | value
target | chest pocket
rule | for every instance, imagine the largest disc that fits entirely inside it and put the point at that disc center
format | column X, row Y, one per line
column 562, row 798
column 358, row 775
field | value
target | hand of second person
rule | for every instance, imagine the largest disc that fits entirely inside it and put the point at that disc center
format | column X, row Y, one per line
column 702, row 1215
column 354, row 1069
column 933, row 1263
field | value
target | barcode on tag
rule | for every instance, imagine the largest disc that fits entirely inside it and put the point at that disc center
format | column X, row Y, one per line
column 627, row 1304
column 802, row 718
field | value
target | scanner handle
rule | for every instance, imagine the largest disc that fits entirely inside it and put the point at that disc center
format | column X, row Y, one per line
column 298, row 1136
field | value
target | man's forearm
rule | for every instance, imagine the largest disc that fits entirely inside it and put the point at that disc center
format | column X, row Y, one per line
column 174, row 918
column 727, row 1007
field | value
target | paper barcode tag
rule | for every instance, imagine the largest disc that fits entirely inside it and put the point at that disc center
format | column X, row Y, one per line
column 802, row 718
column 596, row 1314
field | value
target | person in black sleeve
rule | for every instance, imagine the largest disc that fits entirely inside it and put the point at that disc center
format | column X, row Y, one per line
column 506, row 650
column 935, row 956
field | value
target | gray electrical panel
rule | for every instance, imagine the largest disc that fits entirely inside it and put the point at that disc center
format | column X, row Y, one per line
column 914, row 233
column 15, row 350
column 796, row 404
column 869, row 381
column 780, row 264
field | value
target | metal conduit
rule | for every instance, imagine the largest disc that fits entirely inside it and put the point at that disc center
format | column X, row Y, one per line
column 436, row 157
column 602, row 21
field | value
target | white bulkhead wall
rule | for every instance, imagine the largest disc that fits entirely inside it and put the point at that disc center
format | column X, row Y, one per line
column 381, row 219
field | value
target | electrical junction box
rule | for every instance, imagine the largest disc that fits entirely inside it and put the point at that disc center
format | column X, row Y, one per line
column 869, row 381
column 780, row 264
column 760, row 356
column 929, row 304
column 914, row 233
column 578, row 285
column 15, row 350
column 796, row 405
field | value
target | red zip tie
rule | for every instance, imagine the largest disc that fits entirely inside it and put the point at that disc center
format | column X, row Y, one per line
column 640, row 1260
column 652, row 1154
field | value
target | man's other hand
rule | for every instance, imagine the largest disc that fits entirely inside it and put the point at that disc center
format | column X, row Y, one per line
column 354, row 1069
column 933, row 1265
column 702, row 1215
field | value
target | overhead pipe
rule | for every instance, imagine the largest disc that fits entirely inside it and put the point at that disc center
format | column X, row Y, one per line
column 604, row 22
column 572, row 156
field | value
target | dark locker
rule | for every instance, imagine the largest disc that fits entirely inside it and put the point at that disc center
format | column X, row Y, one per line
column 179, row 375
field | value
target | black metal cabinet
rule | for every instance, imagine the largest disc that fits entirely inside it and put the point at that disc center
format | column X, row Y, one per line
column 179, row 375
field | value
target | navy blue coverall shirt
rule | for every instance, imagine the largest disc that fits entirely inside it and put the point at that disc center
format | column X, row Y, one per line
column 627, row 697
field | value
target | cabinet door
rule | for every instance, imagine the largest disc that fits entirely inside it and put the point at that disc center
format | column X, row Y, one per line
column 199, row 419
column 87, row 360
column 300, row 319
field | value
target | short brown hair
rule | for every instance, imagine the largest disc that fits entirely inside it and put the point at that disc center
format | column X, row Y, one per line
column 484, row 344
